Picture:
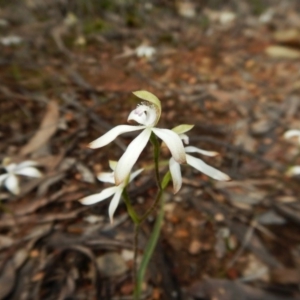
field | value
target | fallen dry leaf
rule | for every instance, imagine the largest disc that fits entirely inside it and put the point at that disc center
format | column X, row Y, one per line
column 282, row 52
column 289, row 36
column 46, row 130
column 7, row 279
column 228, row 290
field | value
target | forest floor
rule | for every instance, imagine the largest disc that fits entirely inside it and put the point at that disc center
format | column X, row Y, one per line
column 66, row 77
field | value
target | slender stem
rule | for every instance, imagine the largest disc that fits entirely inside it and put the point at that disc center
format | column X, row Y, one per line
column 164, row 184
column 153, row 206
column 149, row 250
column 136, row 249
column 135, row 218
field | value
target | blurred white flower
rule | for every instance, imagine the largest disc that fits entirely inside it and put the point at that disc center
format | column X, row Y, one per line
column 227, row 17
column 293, row 171
column 145, row 51
column 10, row 40
column 267, row 16
column 10, row 179
column 292, row 133
column 196, row 163
column 114, row 190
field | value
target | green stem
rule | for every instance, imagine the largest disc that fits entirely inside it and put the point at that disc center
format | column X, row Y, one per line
column 135, row 218
column 149, row 251
column 153, row 237
column 154, row 205
column 164, row 184
column 136, row 249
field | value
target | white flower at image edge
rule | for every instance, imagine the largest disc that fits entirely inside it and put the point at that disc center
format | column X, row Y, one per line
column 292, row 133
column 10, row 179
column 293, row 171
column 116, row 191
column 146, row 114
column 196, row 163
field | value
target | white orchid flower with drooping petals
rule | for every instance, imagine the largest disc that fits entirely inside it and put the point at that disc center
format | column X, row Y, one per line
column 147, row 114
column 292, row 133
column 114, row 190
column 10, row 178
column 196, row 163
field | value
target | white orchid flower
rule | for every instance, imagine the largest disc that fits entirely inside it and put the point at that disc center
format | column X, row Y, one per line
column 146, row 114
column 292, row 133
column 196, row 163
column 10, row 179
column 114, row 190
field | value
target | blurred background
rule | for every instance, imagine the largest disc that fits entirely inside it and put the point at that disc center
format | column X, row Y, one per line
column 67, row 73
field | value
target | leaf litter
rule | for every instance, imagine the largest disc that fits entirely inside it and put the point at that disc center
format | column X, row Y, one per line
column 232, row 71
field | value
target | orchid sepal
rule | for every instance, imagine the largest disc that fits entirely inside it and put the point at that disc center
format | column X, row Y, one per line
column 130, row 156
column 183, row 128
column 174, row 143
column 109, row 136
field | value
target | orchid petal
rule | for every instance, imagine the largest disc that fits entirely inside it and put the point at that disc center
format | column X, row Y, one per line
column 10, row 168
column 152, row 99
column 26, row 163
column 112, row 134
column 291, row 133
column 3, row 178
column 191, row 149
column 183, row 128
column 114, row 204
column 113, row 164
column 12, row 184
column 173, row 142
column 131, row 155
column 201, row 166
column 139, row 117
column 176, row 174
column 92, row 199
column 144, row 114
column 29, row 171
column 135, row 174
column 106, row 177
column 185, row 138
